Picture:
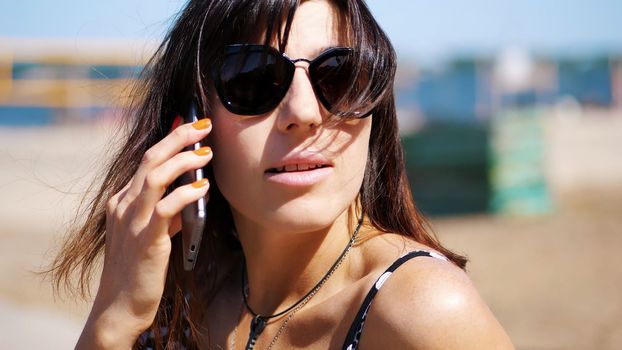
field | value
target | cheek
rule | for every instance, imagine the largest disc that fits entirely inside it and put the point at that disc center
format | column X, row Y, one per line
column 230, row 153
column 221, row 140
column 353, row 161
column 237, row 154
column 354, row 145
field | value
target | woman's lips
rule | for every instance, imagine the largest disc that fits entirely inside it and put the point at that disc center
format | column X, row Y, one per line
column 298, row 175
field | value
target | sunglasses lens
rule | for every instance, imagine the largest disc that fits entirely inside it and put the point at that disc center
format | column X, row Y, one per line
column 253, row 81
column 332, row 78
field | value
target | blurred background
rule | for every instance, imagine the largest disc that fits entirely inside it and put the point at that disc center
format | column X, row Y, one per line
column 511, row 118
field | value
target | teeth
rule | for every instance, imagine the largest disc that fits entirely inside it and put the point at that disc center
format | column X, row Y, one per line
column 296, row 167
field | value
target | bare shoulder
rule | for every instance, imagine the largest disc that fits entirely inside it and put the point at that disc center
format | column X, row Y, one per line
column 429, row 303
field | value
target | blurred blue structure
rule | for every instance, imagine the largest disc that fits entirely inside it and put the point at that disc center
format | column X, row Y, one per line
column 448, row 94
column 587, row 81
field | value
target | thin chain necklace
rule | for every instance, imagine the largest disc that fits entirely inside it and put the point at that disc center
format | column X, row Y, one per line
column 258, row 323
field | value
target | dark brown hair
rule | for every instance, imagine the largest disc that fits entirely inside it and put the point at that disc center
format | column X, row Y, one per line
column 179, row 69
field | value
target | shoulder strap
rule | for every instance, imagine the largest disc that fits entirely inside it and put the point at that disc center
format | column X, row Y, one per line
column 356, row 329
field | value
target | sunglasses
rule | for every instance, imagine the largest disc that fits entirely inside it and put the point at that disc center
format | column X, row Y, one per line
column 254, row 79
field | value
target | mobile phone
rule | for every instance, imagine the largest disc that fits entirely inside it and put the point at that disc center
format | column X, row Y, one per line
column 193, row 215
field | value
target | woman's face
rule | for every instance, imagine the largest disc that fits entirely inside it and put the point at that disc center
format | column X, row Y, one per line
column 284, row 170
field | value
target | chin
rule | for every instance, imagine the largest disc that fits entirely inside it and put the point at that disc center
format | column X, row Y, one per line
column 302, row 221
column 303, row 216
column 300, row 216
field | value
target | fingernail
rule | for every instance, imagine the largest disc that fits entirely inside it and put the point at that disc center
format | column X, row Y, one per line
column 200, row 183
column 203, row 151
column 176, row 122
column 202, row 124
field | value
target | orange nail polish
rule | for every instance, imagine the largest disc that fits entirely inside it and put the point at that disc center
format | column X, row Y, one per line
column 200, row 183
column 202, row 124
column 203, row 151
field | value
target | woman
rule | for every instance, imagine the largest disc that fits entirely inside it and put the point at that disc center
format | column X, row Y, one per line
column 308, row 200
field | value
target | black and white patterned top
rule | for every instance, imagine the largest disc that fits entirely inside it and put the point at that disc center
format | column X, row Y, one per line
column 356, row 329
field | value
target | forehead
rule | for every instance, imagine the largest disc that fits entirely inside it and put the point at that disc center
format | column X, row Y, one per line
column 315, row 27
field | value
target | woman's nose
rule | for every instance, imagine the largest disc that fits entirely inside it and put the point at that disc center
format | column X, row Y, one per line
column 300, row 109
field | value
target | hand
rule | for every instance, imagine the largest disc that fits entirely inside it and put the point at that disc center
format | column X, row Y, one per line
column 139, row 227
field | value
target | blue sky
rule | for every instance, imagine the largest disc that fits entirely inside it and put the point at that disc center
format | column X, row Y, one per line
column 421, row 29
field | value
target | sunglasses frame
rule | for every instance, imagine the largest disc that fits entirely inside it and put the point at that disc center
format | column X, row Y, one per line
column 290, row 67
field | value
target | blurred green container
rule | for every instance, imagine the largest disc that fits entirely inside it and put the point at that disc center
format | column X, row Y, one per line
column 447, row 166
column 517, row 163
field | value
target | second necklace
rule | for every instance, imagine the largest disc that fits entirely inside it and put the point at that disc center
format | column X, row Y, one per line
column 258, row 323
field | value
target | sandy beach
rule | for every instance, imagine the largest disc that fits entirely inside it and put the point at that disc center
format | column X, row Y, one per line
column 553, row 280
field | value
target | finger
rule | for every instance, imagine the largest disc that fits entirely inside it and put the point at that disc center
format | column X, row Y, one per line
column 114, row 212
column 122, row 201
column 166, row 148
column 175, row 225
column 172, row 204
column 160, row 178
column 113, row 203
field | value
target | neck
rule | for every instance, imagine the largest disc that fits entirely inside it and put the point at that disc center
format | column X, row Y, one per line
column 282, row 267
